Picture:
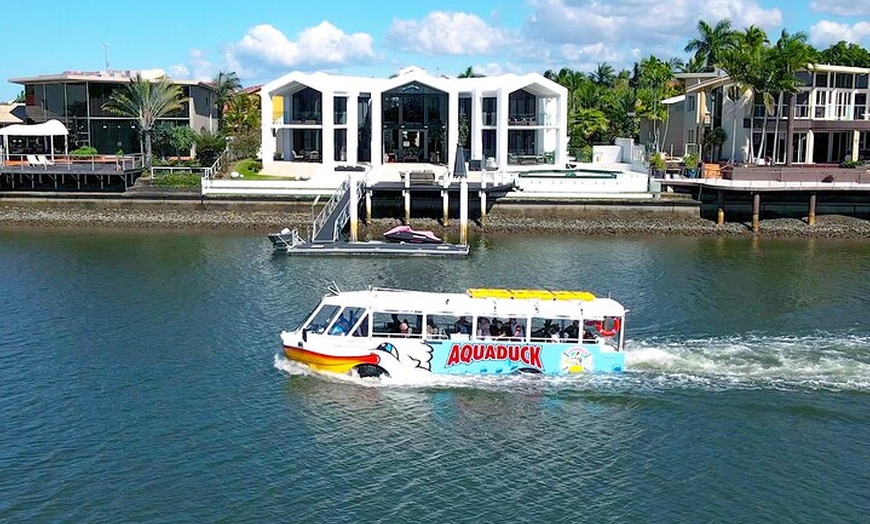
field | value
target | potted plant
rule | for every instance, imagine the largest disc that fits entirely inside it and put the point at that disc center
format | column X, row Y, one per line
column 657, row 165
column 690, row 161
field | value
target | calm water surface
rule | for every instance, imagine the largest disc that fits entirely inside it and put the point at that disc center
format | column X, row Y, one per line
column 140, row 381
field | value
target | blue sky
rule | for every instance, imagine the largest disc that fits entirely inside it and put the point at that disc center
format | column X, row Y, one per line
column 265, row 39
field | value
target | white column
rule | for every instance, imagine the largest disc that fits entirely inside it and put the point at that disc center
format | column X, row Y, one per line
column 377, row 130
column 811, row 142
column 856, row 142
column 327, row 141
column 354, row 207
column 561, row 121
column 452, row 128
column 463, row 211
column 352, row 126
column 266, row 126
column 502, row 127
column 475, row 125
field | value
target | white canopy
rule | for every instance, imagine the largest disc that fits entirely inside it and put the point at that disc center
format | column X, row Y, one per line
column 50, row 128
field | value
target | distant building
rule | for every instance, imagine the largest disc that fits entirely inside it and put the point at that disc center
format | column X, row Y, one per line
column 508, row 121
column 12, row 114
column 76, row 98
column 829, row 121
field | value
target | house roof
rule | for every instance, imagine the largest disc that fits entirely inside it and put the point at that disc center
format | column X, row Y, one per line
column 12, row 114
column 111, row 76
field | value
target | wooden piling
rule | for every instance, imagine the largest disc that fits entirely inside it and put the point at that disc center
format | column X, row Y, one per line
column 811, row 216
column 756, row 211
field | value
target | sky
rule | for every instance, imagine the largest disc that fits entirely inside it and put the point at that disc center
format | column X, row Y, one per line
column 265, row 39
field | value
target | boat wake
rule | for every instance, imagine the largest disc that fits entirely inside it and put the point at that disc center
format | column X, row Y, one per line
column 816, row 362
column 820, row 361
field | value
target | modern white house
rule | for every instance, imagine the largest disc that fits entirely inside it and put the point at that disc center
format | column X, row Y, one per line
column 827, row 121
column 316, row 122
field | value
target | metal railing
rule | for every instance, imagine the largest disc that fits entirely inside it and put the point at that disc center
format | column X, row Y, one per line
column 31, row 162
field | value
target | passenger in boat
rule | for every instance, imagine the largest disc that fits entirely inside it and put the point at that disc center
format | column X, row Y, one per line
column 554, row 333
column 431, row 328
column 572, row 332
column 495, row 329
column 404, row 328
column 519, row 332
column 462, row 326
column 483, row 327
column 393, row 326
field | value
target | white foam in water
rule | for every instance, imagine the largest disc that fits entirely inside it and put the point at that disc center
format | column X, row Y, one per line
column 817, row 361
column 820, row 361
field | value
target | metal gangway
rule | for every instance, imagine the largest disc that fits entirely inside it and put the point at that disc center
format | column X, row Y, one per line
column 328, row 224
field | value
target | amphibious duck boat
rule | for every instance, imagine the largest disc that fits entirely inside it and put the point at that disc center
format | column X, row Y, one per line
column 399, row 333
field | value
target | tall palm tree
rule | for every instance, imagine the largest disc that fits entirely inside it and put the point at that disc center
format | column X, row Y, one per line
column 712, row 42
column 226, row 83
column 744, row 61
column 790, row 54
column 145, row 101
column 468, row 73
column 604, row 75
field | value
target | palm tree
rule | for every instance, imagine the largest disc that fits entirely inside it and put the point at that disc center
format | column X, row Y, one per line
column 604, row 75
column 791, row 53
column 226, row 83
column 743, row 61
column 145, row 101
column 712, row 42
column 468, row 73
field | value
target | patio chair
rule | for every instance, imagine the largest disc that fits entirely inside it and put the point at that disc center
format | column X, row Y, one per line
column 33, row 161
column 42, row 159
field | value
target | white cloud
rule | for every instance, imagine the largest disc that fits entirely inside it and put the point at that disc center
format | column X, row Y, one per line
column 581, row 28
column 442, row 33
column 841, row 7
column 198, row 67
column 825, row 32
column 264, row 47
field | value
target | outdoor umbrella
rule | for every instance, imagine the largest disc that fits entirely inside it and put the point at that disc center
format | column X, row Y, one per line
column 459, row 170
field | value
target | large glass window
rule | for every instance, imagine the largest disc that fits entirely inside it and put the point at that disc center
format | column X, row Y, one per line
column 110, row 135
column 861, row 81
column 99, row 94
column 76, row 100
column 821, row 80
column 522, row 108
column 860, row 106
column 490, row 112
column 306, row 107
column 55, row 101
column 340, row 137
column 843, row 80
column 340, row 109
column 414, row 123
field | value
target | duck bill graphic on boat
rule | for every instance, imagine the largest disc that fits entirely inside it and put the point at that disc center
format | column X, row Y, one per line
column 331, row 363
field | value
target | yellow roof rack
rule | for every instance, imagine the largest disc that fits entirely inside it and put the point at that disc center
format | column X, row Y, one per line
column 530, row 294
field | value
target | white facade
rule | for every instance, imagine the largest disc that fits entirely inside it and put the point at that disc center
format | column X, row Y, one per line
column 507, row 122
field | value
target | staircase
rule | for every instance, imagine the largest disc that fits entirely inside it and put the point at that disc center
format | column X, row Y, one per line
column 329, row 223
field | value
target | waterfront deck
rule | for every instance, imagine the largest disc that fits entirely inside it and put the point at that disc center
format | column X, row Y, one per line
column 66, row 175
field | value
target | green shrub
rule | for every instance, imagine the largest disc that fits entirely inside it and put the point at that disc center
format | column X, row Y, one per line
column 84, row 151
column 182, row 180
column 852, row 164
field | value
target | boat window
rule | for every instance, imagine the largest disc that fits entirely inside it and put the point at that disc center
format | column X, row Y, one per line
column 346, row 320
column 362, row 329
column 397, row 324
column 443, row 326
column 507, row 328
column 547, row 329
column 321, row 319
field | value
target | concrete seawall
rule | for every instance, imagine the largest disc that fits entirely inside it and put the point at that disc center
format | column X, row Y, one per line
column 645, row 218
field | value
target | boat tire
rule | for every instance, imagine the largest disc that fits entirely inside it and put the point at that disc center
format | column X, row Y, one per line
column 370, row 371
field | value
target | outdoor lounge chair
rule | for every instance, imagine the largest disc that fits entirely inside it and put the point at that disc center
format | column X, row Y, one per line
column 33, row 161
column 44, row 160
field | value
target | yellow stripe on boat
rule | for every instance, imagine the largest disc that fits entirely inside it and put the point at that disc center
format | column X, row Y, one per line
column 530, row 294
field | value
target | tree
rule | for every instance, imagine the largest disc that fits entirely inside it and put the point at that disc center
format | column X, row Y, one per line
column 20, row 98
column 604, row 75
column 712, row 42
column 242, row 114
column 226, row 83
column 846, row 54
column 468, row 73
column 182, row 138
column 145, row 101
column 744, row 62
column 790, row 54
column 654, row 81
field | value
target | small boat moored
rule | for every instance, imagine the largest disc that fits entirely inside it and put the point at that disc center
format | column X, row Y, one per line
column 402, row 333
column 413, row 236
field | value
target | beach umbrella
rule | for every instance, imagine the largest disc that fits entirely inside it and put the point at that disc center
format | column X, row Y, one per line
column 459, row 170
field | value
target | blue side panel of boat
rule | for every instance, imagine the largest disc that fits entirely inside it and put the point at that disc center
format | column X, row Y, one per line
column 493, row 357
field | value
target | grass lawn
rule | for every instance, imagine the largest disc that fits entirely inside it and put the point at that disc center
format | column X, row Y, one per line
column 250, row 170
